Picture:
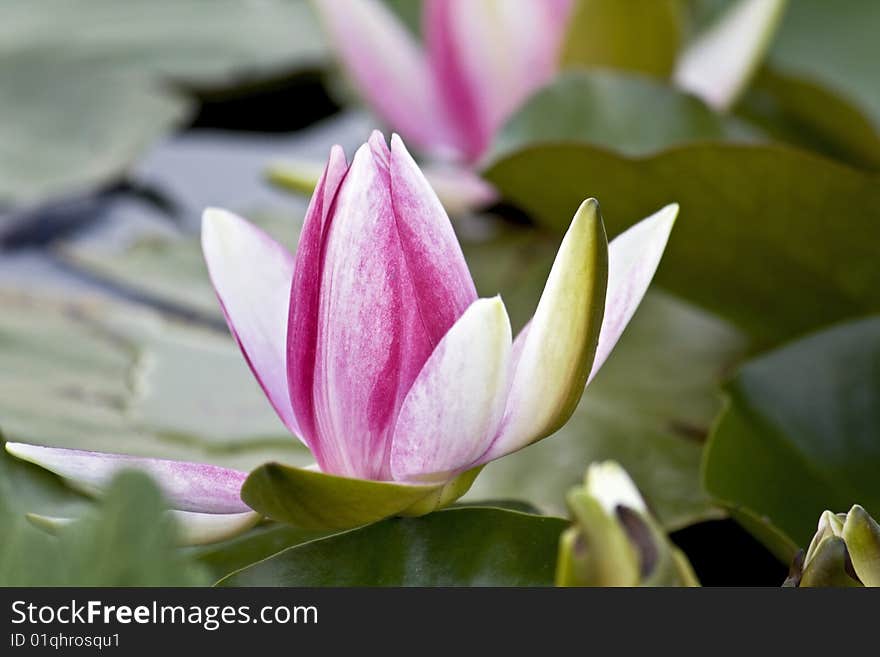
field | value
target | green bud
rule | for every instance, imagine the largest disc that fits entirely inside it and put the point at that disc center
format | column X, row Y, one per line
column 862, row 535
column 844, row 552
column 614, row 540
column 828, row 565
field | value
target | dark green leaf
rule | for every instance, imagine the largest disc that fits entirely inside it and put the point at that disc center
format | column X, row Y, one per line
column 806, row 114
column 799, row 432
column 776, row 240
column 256, row 545
column 455, row 547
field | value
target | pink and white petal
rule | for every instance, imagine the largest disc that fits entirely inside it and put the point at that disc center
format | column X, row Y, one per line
column 460, row 189
column 187, row 486
column 487, row 56
column 718, row 65
column 454, row 408
column 302, row 321
column 388, row 67
column 441, row 281
column 552, row 358
column 633, row 257
column 371, row 340
column 251, row 274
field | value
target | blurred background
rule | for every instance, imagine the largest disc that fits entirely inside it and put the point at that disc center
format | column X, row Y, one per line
column 747, row 380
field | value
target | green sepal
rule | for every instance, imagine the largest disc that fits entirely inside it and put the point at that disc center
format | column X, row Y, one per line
column 314, row 500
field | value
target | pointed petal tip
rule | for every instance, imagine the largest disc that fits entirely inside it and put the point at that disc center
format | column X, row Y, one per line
column 588, row 219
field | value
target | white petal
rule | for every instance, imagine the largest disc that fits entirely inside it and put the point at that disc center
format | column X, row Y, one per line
column 453, row 409
column 633, row 257
column 718, row 65
column 553, row 356
column 252, row 275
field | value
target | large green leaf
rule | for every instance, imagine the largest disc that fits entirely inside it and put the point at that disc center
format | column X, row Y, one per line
column 800, row 432
column 85, row 85
column 127, row 541
column 205, row 42
column 68, row 125
column 776, row 240
column 628, row 114
column 169, row 269
column 259, row 543
column 455, row 547
column 819, row 89
column 636, row 35
column 649, row 409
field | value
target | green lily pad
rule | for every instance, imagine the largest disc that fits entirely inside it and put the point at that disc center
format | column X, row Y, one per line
column 634, row 35
column 627, row 114
column 649, row 408
column 170, row 269
column 86, row 85
column 69, row 126
column 799, row 431
column 804, row 113
column 259, row 543
column 106, row 376
column 310, row 499
column 775, row 240
column 454, row 547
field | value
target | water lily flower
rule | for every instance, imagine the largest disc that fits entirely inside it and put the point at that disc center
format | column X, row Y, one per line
column 374, row 349
column 481, row 59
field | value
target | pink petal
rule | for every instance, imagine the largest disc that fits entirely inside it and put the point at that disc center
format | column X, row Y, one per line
column 388, row 67
column 441, row 280
column 487, row 57
column 251, row 274
column 302, row 330
column 393, row 282
column 452, row 411
column 633, row 257
column 187, row 486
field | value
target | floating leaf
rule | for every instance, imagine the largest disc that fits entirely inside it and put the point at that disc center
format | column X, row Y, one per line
column 86, row 85
column 775, row 240
column 799, row 431
column 455, row 547
column 106, row 376
column 627, row 114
